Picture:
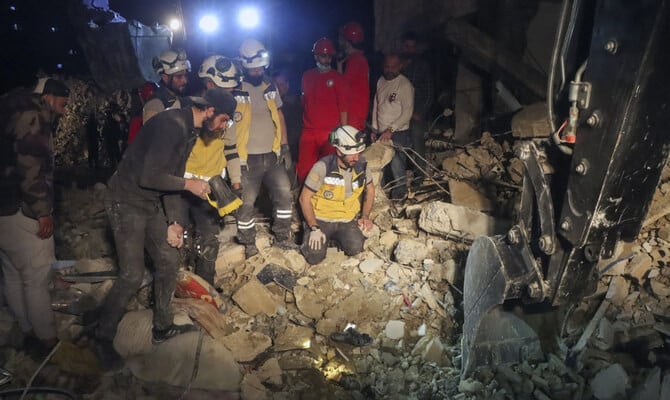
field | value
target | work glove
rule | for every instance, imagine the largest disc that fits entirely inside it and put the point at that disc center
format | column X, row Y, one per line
column 285, row 157
column 316, row 239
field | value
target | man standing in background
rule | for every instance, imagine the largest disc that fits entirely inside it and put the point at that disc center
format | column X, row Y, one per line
column 354, row 66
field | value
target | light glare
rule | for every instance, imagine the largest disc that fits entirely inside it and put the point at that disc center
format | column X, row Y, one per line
column 209, row 23
column 248, row 17
column 175, row 24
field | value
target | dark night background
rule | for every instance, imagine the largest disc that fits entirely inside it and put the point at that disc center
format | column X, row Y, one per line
column 37, row 34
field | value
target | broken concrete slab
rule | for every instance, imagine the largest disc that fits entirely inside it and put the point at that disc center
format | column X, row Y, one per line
column 409, row 251
column 246, row 346
column 430, row 349
column 467, row 195
column 253, row 389
column 326, row 326
column 459, row 222
column 270, row 372
column 639, row 265
column 294, row 337
column 230, row 254
column 395, row 329
column 94, row 265
column 610, row 383
column 254, row 298
column 308, row 301
column 650, row 389
column 388, row 239
column 618, row 290
column 371, row 265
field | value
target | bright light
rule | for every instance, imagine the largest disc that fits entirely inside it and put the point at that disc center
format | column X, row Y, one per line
column 175, row 24
column 209, row 23
column 248, row 17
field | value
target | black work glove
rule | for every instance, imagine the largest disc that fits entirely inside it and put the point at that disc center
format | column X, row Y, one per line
column 285, row 157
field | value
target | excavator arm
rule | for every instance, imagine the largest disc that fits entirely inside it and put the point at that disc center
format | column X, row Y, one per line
column 587, row 187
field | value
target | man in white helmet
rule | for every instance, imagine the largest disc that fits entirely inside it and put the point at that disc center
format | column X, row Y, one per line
column 337, row 198
column 263, row 149
column 173, row 67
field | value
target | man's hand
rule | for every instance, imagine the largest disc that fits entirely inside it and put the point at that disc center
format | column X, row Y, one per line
column 316, row 239
column 386, row 136
column 237, row 189
column 364, row 224
column 175, row 235
column 198, row 187
column 46, row 227
column 285, row 157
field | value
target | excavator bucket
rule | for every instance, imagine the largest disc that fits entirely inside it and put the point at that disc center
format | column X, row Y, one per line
column 492, row 334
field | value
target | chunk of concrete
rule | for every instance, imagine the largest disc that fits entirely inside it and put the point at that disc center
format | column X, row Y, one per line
column 610, row 383
column 409, row 251
column 270, row 372
column 254, row 298
column 651, row 388
column 371, row 265
column 459, row 222
column 395, row 329
column 466, row 195
column 618, row 290
column 293, row 338
column 230, row 255
column 253, row 389
column 246, row 346
column 639, row 265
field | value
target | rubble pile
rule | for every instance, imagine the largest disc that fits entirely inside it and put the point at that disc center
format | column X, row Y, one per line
column 383, row 324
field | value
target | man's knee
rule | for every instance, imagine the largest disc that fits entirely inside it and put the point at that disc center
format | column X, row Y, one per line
column 313, row 257
column 353, row 247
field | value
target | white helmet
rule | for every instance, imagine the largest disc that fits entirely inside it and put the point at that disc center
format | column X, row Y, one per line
column 170, row 62
column 221, row 70
column 347, row 139
column 253, row 54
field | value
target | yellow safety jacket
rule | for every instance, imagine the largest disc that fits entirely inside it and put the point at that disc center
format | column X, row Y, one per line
column 244, row 109
column 206, row 159
column 329, row 201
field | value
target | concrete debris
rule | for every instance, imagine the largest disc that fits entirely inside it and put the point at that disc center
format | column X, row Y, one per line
column 246, row 346
column 638, row 266
column 409, row 251
column 293, row 338
column 395, row 329
column 253, row 389
column 459, row 222
column 254, row 298
column 650, row 388
column 466, row 195
column 230, row 255
column 371, row 265
column 610, row 383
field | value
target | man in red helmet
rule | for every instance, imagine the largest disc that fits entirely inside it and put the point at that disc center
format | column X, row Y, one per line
column 353, row 64
column 325, row 99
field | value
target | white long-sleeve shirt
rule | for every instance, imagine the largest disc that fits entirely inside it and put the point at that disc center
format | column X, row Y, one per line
column 393, row 105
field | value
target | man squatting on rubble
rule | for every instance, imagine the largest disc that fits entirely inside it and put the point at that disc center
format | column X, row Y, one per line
column 263, row 150
column 26, row 205
column 145, row 210
column 331, row 198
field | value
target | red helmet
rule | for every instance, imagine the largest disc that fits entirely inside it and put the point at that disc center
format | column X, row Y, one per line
column 147, row 90
column 353, row 32
column 324, row 46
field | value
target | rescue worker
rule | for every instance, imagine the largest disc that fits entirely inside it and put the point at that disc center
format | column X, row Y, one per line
column 354, row 66
column 173, row 67
column 337, row 198
column 145, row 210
column 325, row 99
column 212, row 156
column 392, row 111
column 26, row 206
column 263, row 148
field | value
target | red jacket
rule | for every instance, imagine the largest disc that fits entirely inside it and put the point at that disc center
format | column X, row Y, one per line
column 324, row 97
column 134, row 127
column 357, row 74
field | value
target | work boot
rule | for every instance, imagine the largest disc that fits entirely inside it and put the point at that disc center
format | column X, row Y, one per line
column 286, row 244
column 159, row 336
column 250, row 250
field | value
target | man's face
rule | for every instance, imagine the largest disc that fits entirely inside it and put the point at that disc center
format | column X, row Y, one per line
column 391, row 67
column 323, row 59
column 177, row 82
column 254, row 75
column 348, row 160
column 57, row 104
column 282, row 85
column 214, row 125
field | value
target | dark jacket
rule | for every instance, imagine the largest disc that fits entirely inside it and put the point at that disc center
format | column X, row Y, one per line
column 153, row 165
column 26, row 154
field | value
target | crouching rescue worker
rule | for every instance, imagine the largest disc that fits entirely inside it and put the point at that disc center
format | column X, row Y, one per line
column 145, row 210
column 337, row 198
